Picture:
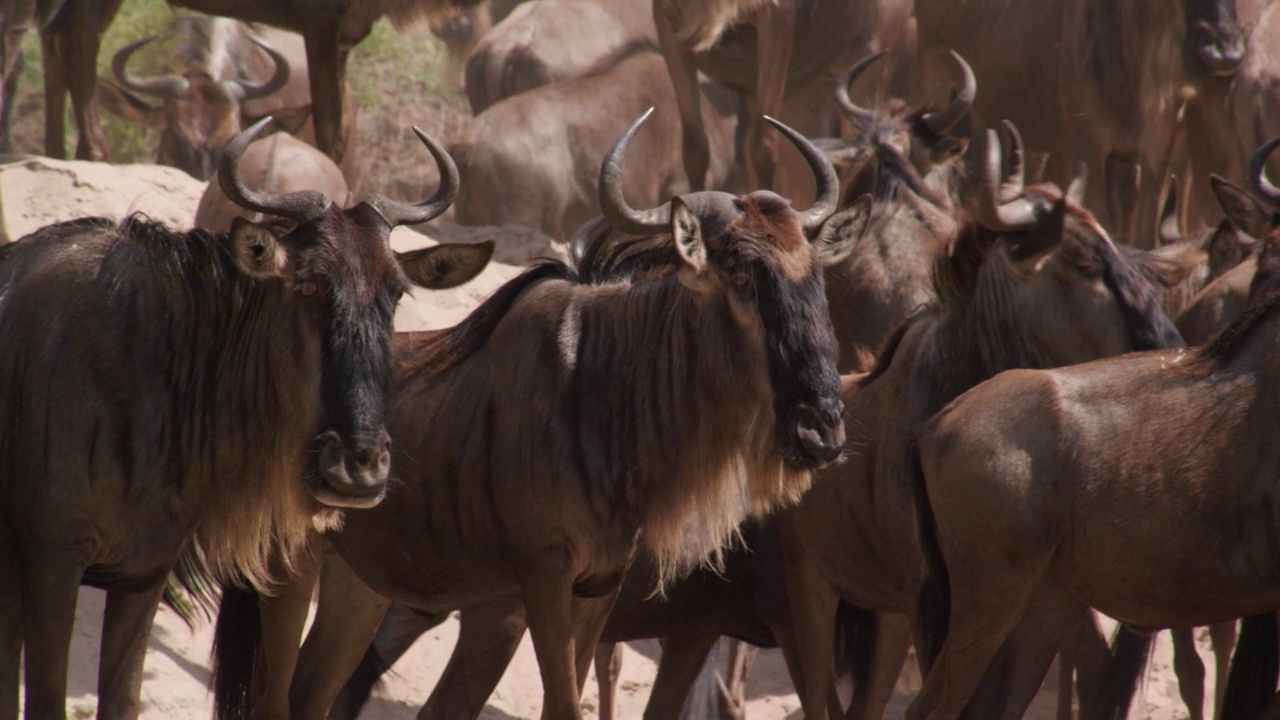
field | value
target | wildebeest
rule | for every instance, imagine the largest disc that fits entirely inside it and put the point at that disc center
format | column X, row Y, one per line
column 579, row 391
column 909, row 162
column 530, row 159
column 70, row 36
column 330, row 28
column 1139, row 450
column 277, row 163
column 1097, row 81
column 785, row 56
column 1032, row 281
column 547, row 41
column 205, row 105
column 16, row 17
column 189, row 400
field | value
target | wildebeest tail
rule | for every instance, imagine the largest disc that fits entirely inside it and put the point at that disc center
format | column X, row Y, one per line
column 236, row 654
column 855, row 643
column 1125, row 666
column 1255, row 666
column 933, row 608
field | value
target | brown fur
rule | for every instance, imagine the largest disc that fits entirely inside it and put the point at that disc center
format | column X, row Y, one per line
column 1031, row 298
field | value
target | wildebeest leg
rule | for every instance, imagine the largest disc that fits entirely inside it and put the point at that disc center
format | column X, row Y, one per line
column 488, row 636
column 986, row 606
column 608, row 668
column 893, row 642
column 684, row 80
column 126, row 628
column 10, row 633
column 76, row 37
column 1124, row 178
column 50, row 584
column 55, row 99
column 1019, row 667
column 327, row 64
column 681, row 661
column 1222, row 636
column 347, row 618
column 546, row 588
column 589, row 618
column 1190, row 671
column 813, row 612
column 775, row 33
column 734, row 689
column 283, row 618
column 1090, row 655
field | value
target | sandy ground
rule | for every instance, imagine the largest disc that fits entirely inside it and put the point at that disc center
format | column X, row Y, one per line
column 40, row 191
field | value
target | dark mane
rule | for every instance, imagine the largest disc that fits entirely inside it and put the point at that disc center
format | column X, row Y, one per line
column 605, row 256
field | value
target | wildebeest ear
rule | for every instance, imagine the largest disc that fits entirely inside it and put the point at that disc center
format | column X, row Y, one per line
column 1227, row 247
column 841, row 232
column 256, row 250
column 446, row 265
column 1043, row 237
column 126, row 105
column 686, row 231
column 1241, row 208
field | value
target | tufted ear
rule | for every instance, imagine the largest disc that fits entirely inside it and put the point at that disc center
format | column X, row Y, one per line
column 841, row 232
column 257, row 251
column 446, row 265
column 1228, row 247
column 1241, row 208
column 686, row 232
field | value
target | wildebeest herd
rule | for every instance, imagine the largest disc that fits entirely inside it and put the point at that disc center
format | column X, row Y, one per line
column 827, row 369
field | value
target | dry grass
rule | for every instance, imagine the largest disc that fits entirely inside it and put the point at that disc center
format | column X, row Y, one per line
column 401, row 80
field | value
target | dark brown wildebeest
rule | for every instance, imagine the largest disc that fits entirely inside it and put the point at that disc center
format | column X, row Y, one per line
column 1033, row 281
column 579, row 390
column 205, row 105
column 909, row 162
column 277, row 163
column 547, row 41
column 191, row 400
column 1097, row 81
column 530, row 159
column 785, row 56
column 1139, row 451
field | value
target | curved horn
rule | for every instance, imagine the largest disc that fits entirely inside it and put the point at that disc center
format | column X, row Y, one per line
column 301, row 206
column 398, row 213
column 1075, row 190
column 613, row 206
column 248, row 91
column 845, row 103
column 993, row 213
column 1014, row 180
column 827, row 196
column 1258, row 171
column 160, row 86
column 942, row 121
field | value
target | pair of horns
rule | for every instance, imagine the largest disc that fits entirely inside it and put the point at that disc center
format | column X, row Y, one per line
column 1002, row 202
column 622, row 217
column 303, row 206
column 172, row 86
column 940, row 122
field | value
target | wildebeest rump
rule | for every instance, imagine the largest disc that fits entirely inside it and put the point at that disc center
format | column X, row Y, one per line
column 569, row 419
column 1033, row 282
column 189, row 399
column 1168, row 457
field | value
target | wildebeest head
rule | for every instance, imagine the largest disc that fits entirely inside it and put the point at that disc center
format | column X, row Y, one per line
column 197, row 114
column 1214, row 38
column 761, row 255
column 1062, row 269
column 345, row 280
column 913, row 140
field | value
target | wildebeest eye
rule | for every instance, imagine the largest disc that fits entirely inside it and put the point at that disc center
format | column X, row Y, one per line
column 307, row 288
